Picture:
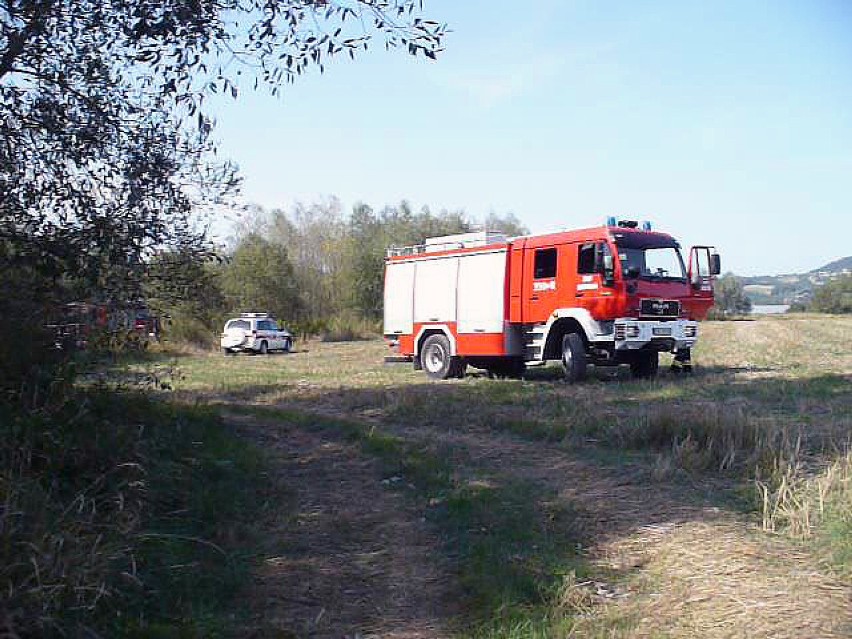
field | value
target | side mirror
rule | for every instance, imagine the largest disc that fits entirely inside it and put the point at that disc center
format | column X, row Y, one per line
column 715, row 264
column 632, row 272
column 608, row 270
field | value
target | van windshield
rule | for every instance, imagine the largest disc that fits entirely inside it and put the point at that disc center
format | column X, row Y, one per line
column 652, row 263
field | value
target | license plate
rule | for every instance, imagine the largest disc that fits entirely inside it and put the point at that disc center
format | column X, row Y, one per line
column 662, row 331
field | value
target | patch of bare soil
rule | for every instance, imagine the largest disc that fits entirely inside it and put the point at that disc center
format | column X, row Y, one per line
column 352, row 557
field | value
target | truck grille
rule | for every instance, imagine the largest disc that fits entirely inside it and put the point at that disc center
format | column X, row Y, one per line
column 660, row 308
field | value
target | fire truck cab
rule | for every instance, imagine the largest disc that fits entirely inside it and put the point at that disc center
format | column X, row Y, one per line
column 609, row 295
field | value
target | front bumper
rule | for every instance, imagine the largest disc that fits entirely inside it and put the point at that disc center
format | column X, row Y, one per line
column 659, row 335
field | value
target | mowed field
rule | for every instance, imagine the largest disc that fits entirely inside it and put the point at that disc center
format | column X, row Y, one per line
column 716, row 505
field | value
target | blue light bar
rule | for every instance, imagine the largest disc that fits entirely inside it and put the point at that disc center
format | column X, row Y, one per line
column 646, row 225
column 610, row 221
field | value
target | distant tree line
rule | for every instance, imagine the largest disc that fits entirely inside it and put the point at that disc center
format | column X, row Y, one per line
column 314, row 267
column 730, row 298
column 835, row 296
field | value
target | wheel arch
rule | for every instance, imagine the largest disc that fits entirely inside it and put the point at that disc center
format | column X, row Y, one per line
column 558, row 330
column 434, row 329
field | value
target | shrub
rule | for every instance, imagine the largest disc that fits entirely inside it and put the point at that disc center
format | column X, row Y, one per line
column 349, row 328
column 834, row 296
column 117, row 515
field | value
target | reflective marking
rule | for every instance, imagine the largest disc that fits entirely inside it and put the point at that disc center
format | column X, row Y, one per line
column 587, row 287
column 546, row 285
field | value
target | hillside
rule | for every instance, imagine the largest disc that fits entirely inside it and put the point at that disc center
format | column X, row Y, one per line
column 793, row 287
column 844, row 264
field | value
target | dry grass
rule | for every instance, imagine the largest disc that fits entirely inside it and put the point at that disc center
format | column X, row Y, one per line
column 806, row 503
column 661, row 472
column 117, row 516
column 719, row 580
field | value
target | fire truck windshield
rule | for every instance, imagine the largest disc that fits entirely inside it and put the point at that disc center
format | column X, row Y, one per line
column 652, row 263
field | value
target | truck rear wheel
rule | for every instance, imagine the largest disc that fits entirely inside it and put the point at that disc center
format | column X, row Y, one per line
column 573, row 358
column 436, row 360
column 644, row 364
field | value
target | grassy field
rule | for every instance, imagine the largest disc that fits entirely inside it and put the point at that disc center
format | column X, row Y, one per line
column 715, row 505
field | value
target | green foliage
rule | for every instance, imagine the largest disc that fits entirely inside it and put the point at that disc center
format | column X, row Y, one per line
column 122, row 515
column 730, row 297
column 260, row 277
column 338, row 261
column 508, row 224
column 188, row 292
column 107, row 154
column 349, row 327
column 834, row 296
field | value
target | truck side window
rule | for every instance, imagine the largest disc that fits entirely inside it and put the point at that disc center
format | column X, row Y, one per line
column 545, row 263
column 586, row 259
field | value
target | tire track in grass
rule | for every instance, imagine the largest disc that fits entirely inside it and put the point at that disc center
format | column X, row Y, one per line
column 356, row 558
column 683, row 564
column 512, row 548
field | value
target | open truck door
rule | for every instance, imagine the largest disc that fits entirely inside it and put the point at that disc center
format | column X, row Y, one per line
column 704, row 266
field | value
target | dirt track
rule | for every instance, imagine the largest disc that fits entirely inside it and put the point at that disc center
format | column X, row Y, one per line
column 356, row 559
column 360, row 559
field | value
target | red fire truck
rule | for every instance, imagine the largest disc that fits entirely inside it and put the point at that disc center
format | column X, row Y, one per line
column 610, row 295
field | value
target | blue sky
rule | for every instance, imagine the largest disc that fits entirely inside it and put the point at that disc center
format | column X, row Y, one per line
column 728, row 123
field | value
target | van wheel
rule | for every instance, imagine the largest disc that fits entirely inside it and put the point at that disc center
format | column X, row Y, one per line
column 264, row 348
column 573, row 358
column 436, row 360
column 288, row 345
column 644, row 365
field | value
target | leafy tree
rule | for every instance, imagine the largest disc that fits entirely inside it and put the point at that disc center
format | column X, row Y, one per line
column 260, row 277
column 507, row 223
column 338, row 261
column 105, row 151
column 188, row 291
column 730, row 296
column 835, row 296
column 315, row 236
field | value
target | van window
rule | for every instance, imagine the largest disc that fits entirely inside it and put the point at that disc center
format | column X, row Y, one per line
column 545, row 263
column 243, row 324
column 586, row 259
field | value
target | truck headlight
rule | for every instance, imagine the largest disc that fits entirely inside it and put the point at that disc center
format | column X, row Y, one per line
column 631, row 330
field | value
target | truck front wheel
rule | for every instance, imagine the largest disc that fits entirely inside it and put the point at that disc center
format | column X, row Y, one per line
column 436, row 360
column 573, row 357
